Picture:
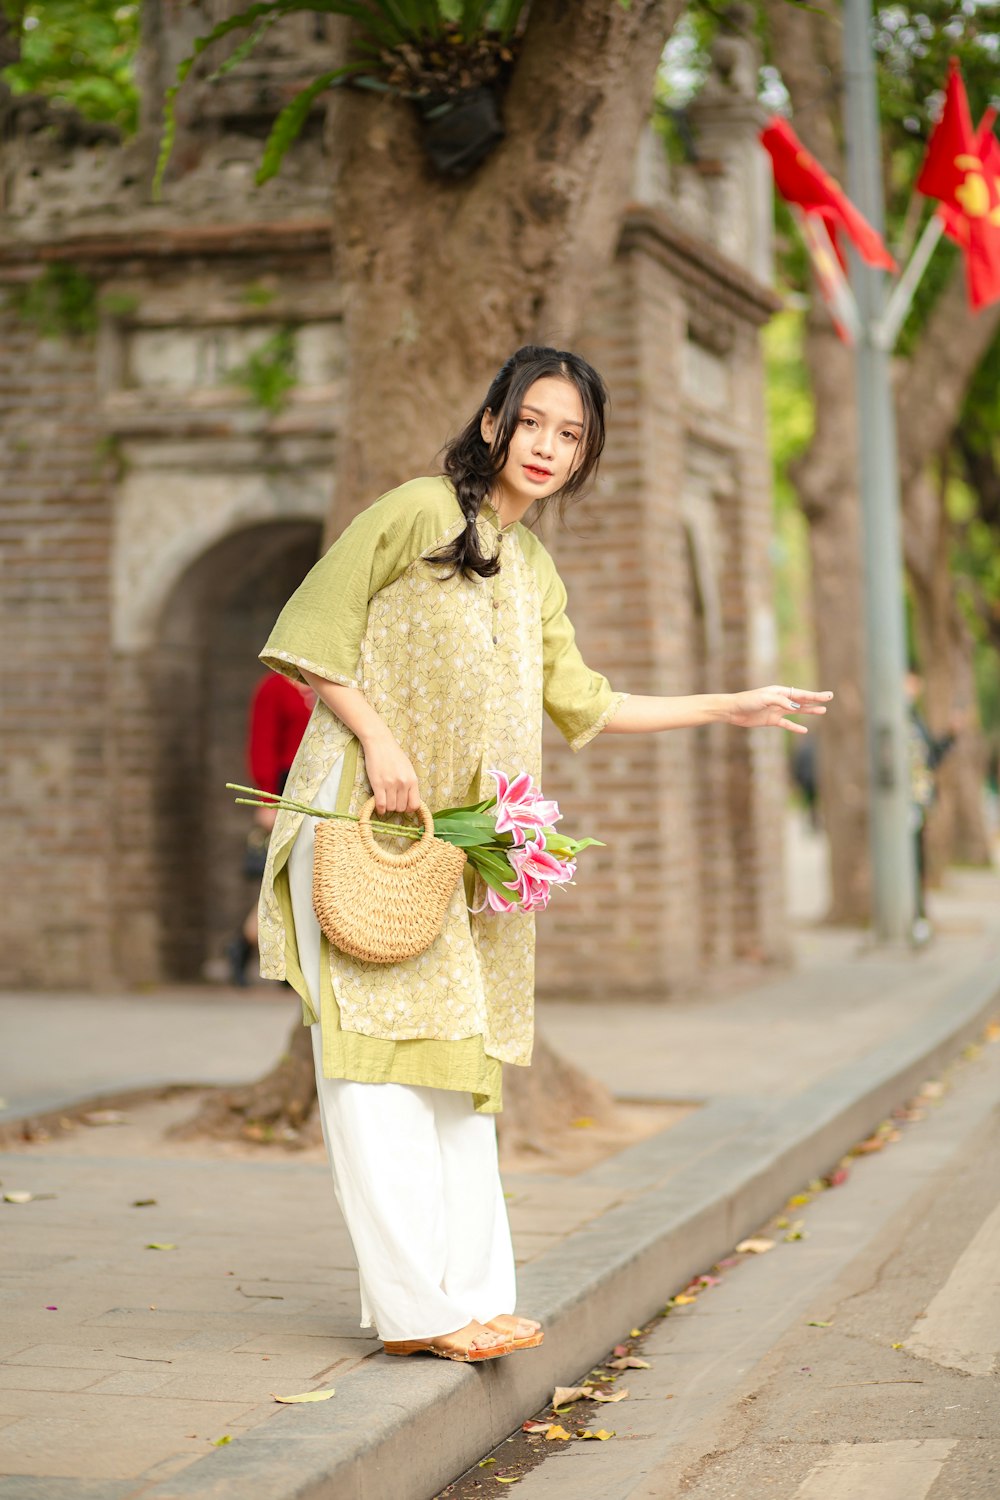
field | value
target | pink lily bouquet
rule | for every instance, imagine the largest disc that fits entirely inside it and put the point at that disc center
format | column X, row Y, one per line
column 509, row 839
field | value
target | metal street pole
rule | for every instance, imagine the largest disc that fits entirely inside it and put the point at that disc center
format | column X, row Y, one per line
column 893, row 872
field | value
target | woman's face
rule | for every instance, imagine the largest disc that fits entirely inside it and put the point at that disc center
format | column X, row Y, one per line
column 546, row 442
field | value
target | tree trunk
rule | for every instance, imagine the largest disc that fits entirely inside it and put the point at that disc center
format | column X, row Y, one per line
column 807, row 52
column 441, row 281
column 956, row 828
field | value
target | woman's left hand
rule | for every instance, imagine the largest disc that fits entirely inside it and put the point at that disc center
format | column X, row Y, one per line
column 761, row 708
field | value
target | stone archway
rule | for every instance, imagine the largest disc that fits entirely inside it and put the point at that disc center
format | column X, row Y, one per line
column 202, row 671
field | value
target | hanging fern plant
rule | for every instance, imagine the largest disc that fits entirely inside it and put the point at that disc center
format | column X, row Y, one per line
column 449, row 57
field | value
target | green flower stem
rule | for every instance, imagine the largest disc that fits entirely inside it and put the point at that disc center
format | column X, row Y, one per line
column 286, row 804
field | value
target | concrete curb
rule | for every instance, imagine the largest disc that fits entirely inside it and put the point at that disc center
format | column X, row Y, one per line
column 402, row 1430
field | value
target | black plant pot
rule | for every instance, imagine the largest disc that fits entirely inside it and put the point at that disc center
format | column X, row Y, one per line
column 460, row 131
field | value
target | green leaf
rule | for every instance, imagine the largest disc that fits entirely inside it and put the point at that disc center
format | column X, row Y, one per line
column 288, row 126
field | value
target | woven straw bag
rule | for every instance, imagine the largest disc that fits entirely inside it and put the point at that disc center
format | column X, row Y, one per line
column 375, row 904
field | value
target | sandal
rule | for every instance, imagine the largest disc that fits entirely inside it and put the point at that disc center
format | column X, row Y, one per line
column 462, row 1356
column 528, row 1340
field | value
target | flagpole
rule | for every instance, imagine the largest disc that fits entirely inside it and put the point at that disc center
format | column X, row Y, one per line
column 832, row 282
column 892, row 843
column 886, row 329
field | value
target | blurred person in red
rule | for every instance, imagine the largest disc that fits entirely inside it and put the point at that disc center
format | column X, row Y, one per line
column 279, row 713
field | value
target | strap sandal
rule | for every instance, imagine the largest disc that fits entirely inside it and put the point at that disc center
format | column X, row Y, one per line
column 524, row 1341
column 462, row 1356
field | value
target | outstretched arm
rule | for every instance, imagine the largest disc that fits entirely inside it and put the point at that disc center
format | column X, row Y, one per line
column 756, row 709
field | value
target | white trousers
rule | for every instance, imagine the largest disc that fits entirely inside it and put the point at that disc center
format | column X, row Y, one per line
column 415, row 1173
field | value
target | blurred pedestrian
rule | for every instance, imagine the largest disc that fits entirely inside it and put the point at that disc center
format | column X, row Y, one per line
column 279, row 713
column 927, row 751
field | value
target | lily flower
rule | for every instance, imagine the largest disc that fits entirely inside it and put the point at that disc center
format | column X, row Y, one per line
column 536, row 872
column 521, row 806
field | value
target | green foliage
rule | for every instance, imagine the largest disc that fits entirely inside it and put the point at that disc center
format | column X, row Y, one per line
column 269, row 375
column 790, row 424
column 59, row 303
column 119, row 304
column 81, row 53
column 414, row 48
column 288, row 126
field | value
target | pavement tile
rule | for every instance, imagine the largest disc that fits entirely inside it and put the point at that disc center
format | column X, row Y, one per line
column 89, row 1409
column 134, row 1382
column 29, row 1487
column 62, row 1447
column 323, row 1347
column 45, row 1378
column 70, row 1356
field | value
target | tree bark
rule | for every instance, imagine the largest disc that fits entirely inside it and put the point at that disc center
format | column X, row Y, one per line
column 956, row 829
column 807, row 52
column 441, row 281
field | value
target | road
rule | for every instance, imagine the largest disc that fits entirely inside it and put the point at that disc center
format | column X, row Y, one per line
column 855, row 1360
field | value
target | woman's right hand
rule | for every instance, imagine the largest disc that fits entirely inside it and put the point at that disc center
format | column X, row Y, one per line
column 393, row 780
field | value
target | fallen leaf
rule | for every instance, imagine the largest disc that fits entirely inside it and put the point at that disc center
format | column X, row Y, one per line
column 51, row 1307
column 706, row 1280
column 897, row 1346
column 221, row 1442
column 18, row 1197
column 160, row 1245
column 555, row 1433
column 601, row 1435
column 630, row 1362
column 635, row 1333
column 620, row 1349
column 992, row 1032
column 872, row 1144
column 817, row 1323
column 104, row 1117
column 143, row 1203
column 755, row 1246
column 682, row 1299
column 797, row 1231
column 817, row 1185
column 839, row 1176
column 583, row 1123
column 484, row 1463
column 800, row 1200
column 306, row 1396
column 514, row 1479
column 565, row 1395
column 608, row 1397
column 932, row 1090
column 530, row 1426
column 730, row 1260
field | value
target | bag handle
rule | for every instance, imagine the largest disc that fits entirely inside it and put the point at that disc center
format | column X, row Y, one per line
column 407, row 857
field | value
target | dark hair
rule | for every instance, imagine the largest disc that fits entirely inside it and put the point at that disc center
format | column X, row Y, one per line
column 473, row 465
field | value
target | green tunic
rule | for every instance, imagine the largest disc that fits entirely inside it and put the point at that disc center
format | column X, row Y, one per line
column 460, row 670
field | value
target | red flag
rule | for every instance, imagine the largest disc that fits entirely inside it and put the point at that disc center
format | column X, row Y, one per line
column 952, row 141
column 962, row 170
column 800, row 179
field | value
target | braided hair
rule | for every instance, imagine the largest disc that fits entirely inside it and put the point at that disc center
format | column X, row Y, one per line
column 473, row 465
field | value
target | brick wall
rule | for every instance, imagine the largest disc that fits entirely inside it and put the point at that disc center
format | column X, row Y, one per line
column 55, row 536
column 669, row 580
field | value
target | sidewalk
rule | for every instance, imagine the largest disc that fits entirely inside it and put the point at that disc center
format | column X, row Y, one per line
column 121, row 1366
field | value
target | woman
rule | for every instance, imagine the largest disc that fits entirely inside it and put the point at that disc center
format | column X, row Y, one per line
column 434, row 632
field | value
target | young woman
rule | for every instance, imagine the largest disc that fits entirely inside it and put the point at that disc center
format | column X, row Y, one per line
column 434, row 632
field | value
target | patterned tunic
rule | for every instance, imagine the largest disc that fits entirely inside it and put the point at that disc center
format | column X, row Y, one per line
column 460, row 670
